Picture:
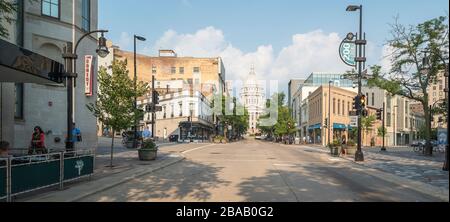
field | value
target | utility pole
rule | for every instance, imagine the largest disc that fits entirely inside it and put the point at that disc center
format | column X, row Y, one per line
column 153, row 107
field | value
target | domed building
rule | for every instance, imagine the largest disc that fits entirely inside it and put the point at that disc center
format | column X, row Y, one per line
column 253, row 99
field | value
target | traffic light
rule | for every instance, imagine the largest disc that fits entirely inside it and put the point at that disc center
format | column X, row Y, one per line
column 379, row 114
column 357, row 104
column 363, row 102
column 155, row 99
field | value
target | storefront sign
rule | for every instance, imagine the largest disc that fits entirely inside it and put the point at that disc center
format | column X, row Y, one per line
column 89, row 75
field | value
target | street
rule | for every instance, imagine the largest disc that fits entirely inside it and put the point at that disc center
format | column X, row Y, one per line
column 256, row 171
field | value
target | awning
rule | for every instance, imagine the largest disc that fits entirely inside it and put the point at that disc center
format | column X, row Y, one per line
column 314, row 127
column 339, row 126
column 19, row 65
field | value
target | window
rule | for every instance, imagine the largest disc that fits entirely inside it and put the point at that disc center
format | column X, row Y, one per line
column 196, row 69
column 373, row 99
column 343, row 108
column 181, row 70
column 173, row 70
column 406, row 122
column 367, row 98
column 18, row 91
column 388, row 119
column 86, row 16
column 50, row 8
column 181, row 109
column 153, row 69
column 339, row 107
column 334, row 106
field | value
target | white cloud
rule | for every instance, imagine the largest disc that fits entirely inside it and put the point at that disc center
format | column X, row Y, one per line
column 125, row 41
column 386, row 59
column 315, row 51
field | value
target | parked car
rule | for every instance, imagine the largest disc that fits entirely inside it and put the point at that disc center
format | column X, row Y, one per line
column 173, row 138
column 258, row 136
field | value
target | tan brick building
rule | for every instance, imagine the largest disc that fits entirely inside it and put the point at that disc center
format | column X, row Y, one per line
column 437, row 95
column 341, row 103
column 204, row 74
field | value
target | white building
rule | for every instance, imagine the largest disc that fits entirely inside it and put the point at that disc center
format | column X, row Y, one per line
column 254, row 100
column 179, row 110
column 45, row 27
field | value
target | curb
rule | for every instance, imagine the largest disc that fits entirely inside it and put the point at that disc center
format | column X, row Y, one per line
column 421, row 187
column 126, row 179
column 106, row 186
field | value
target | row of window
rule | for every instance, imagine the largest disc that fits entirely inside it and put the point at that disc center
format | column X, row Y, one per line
column 173, row 70
column 52, row 8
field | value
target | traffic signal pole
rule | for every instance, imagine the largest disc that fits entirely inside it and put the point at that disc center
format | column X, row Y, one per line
column 153, row 108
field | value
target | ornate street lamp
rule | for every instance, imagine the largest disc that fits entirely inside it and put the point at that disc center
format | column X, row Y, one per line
column 70, row 58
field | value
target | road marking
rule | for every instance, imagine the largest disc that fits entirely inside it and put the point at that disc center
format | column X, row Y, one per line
column 188, row 151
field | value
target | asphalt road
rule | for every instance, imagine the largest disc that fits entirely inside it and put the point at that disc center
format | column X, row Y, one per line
column 255, row 171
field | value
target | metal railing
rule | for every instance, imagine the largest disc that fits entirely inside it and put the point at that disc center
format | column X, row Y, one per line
column 20, row 175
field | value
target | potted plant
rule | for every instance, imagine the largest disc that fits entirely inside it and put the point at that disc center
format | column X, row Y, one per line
column 334, row 148
column 351, row 147
column 148, row 150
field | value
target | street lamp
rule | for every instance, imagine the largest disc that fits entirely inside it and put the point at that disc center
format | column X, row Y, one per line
column 329, row 112
column 70, row 57
column 135, row 88
column 360, row 59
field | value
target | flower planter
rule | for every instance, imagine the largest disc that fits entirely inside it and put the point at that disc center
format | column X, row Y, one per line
column 334, row 151
column 147, row 154
column 351, row 150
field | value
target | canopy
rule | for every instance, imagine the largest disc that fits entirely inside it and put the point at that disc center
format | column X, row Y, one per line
column 23, row 66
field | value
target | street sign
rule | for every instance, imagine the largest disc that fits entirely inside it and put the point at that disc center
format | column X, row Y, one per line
column 353, row 121
column 347, row 52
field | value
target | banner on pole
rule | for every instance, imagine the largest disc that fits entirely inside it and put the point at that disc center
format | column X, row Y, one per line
column 89, row 75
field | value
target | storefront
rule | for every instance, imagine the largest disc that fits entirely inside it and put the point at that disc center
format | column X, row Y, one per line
column 340, row 131
column 315, row 134
column 195, row 131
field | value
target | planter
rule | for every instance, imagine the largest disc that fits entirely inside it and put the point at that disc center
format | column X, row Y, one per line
column 351, row 150
column 334, row 151
column 147, row 154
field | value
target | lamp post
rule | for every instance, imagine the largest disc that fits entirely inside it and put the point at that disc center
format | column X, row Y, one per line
column 383, row 148
column 360, row 59
column 329, row 112
column 70, row 57
column 135, row 88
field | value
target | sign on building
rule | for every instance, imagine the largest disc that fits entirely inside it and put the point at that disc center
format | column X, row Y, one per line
column 88, row 75
column 442, row 137
column 347, row 52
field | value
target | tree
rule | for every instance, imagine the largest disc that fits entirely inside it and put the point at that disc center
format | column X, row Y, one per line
column 413, row 70
column 7, row 10
column 285, row 125
column 367, row 123
column 115, row 104
column 382, row 131
column 231, row 113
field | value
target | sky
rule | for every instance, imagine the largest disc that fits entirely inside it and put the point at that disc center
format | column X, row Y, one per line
column 284, row 39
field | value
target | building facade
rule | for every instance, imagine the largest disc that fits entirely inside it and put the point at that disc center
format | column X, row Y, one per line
column 185, row 115
column 436, row 95
column 45, row 27
column 325, row 111
column 300, row 103
column 254, row 100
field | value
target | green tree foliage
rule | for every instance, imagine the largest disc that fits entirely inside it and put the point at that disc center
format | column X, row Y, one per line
column 232, row 113
column 367, row 123
column 115, row 104
column 412, row 69
column 285, row 125
column 7, row 11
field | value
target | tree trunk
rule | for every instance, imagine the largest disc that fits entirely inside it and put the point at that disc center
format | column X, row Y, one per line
column 428, row 146
column 112, row 149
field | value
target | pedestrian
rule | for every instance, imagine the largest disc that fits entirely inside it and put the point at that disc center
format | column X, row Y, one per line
column 146, row 134
column 76, row 135
column 37, row 145
column 4, row 149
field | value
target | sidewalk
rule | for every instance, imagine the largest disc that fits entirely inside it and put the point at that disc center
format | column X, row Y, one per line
column 401, row 164
column 105, row 178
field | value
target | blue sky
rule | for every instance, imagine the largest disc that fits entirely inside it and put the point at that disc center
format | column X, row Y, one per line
column 256, row 30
